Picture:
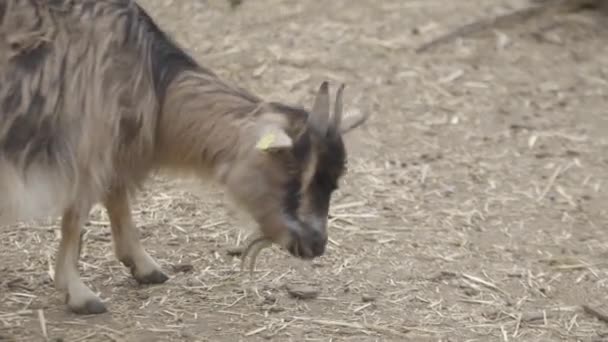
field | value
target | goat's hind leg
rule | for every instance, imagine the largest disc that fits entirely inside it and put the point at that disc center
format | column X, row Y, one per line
column 127, row 245
column 80, row 299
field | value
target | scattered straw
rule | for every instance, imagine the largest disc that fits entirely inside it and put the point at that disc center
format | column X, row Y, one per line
column 255, row 331
column 448, row 177
column 42, row 321
column 364, row 327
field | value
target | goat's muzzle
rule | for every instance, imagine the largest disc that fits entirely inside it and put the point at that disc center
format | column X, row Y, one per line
column 307, row 241
column 302, row 239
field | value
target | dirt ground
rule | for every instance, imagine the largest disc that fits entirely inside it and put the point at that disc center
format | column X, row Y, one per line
column 474, row 208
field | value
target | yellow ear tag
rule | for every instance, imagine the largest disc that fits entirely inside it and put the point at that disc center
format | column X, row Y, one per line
column 265, row 142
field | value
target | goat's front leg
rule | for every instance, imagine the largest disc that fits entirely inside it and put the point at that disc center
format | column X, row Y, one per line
column 80, row 299
column 127, row 246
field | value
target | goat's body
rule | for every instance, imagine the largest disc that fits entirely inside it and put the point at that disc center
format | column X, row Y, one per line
column 94, row 97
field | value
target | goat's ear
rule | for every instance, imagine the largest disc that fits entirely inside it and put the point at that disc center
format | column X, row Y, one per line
column 273, row 139
column 352, row 121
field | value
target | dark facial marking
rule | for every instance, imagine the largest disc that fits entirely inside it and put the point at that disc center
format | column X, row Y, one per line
column 330, row 167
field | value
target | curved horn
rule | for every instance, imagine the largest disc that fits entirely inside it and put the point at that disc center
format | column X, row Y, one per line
column 320, row 110
column 337, row 117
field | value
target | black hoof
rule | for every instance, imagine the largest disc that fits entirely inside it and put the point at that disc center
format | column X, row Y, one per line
column 156, row 277
column 91, row 307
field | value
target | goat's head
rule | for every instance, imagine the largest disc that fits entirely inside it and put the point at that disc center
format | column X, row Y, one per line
column 286, row 181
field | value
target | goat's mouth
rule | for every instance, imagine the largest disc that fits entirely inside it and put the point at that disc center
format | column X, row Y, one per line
column 299, row 239
column 306, row 240
column 306, row 248
column 302, row 239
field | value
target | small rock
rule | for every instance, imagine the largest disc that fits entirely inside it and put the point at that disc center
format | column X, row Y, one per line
column 551, row 37
column 184, row 268
column 491, row 314
column 235, row 3
column 142, row 295
column 275, row 309
column 235, row 251
column 302, row 292
column 368, row 298
column 186, row 336
column 442, row 275
column 471, row 292
column 269, row 299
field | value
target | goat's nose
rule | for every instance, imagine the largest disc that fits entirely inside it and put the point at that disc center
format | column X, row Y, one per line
column 317, row 243
column 308, row 241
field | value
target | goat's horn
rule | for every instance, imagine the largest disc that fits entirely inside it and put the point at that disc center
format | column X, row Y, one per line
column 337, row 118
column 320, row 110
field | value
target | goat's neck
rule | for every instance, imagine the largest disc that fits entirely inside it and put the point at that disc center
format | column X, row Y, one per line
column 204, row 124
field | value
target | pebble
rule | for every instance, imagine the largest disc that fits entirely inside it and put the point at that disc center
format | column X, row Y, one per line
column 302, row 291
column 368, row 298
column 235, row 251
column 184, row 268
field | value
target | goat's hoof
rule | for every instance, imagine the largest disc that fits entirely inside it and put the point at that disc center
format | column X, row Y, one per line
column 90, row 307
column 154, row 277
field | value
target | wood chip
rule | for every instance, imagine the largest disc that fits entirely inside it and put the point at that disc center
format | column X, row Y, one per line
column 235, row 251
column 183, row 268
column 368, row 298
column 302, row 291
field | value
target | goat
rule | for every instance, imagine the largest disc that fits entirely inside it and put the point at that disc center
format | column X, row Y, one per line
column 95, row 97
